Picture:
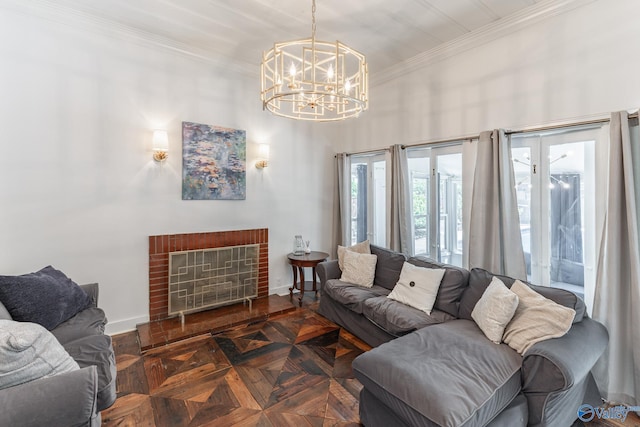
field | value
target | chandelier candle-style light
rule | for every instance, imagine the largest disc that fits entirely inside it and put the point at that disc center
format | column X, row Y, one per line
column 314, row 80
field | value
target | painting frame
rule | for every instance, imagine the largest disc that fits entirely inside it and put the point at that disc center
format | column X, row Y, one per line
column 213, row 162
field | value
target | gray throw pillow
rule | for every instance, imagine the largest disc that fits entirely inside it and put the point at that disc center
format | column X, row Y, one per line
column 29, row 352
column 47, row 297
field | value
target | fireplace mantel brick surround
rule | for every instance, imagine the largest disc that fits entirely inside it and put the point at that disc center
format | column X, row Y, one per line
column 160, row 246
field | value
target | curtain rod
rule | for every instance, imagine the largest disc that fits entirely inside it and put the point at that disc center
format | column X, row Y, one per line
column 558, row 126
column 566, row 125
column 439, row 141
column 358, row 153
column 508, row 132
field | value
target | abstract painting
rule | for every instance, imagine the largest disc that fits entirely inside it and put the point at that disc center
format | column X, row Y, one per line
column 213, row 162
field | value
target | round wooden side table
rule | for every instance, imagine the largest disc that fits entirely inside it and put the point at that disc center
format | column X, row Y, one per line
column 298, row 263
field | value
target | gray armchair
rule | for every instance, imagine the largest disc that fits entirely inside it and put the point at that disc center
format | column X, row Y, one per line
column 74, row 398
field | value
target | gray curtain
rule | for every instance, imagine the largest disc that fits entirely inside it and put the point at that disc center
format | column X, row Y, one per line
column 400, row 222
column 341, row 203
column 495, row 243
column 617, row 293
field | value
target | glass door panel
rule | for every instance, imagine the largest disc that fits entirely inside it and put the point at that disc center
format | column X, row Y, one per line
column 378, row 234
column 368, row 199
column 420, row 203
column 522, row 168
column 359, row 172
column 566, row 199
column 449, row 173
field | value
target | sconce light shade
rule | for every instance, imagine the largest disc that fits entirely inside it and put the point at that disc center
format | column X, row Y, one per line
column 160, row 145
column 263, row 156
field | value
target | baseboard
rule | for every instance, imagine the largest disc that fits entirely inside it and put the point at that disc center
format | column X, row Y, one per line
column 127, row 325
column 282, row 290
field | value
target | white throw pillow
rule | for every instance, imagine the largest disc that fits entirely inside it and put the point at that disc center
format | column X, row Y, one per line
column 495, row 310
column 536, row 319
column 359, row 269
column 361, row 248
column 418, row 286
column 28, row 352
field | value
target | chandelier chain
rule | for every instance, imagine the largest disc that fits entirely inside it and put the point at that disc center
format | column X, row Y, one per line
column 313, row 19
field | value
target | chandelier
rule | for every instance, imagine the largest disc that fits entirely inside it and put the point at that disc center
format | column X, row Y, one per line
column 314, row 80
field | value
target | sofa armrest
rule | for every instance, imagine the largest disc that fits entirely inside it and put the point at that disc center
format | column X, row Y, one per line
column 328, row 270
column 92, row 290
column 557, row 364
column 67, row 399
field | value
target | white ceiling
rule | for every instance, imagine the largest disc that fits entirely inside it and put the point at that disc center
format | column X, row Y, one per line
column 386, row 31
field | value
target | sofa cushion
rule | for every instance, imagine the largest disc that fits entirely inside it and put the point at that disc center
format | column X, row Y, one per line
column 388, row 267
column 536, row 319
column 352, row 296
column 96, row 350
column 495, row 310
column 453, row 284
column 28, row 352
column 47, row 297
column 90, row 321
column 361, row 248
column 398, row 318
column 479, row 279
column 466, row 381
column 417, row 286
column 359, row 269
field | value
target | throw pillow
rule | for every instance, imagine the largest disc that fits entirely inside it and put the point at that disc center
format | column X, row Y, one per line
column 417, row 286
column 361, row 248
column 47, row 297
column 359, row 269
column 495, row 309
column 28, row 352
column 536, row 319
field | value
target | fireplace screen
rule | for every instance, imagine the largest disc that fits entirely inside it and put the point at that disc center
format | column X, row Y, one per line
column 208, row 278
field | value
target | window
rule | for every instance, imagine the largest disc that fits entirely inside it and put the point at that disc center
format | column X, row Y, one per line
column 555, row 184
column 435, row 176
column 368, row 199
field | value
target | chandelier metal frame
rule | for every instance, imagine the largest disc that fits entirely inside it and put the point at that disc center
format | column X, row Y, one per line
column 314, row 80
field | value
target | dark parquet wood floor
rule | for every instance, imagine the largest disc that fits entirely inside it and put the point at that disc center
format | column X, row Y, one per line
column 291, row 370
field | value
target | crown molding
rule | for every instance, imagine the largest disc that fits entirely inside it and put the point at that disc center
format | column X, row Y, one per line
column 536, row 13
column 51, row 11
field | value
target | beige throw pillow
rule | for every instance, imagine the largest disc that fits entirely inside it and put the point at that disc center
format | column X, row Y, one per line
column 536, row 319
column 495, row 310
column 359, row 269
column 361, row 248
column 417, row 286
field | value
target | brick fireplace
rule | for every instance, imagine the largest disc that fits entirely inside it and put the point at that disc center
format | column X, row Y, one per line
column 160, row 247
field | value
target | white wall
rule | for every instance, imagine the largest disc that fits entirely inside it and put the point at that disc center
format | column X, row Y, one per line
column 78, row 187
column 574, row 65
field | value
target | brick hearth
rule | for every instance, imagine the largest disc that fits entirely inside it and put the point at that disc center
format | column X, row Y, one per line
column 160, row 246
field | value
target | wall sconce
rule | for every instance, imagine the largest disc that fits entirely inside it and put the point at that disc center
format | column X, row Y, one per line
column 160, row 145
column 263, row 155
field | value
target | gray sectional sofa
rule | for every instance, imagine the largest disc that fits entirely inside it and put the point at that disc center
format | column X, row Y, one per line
column 441, row 370
column 72, row 398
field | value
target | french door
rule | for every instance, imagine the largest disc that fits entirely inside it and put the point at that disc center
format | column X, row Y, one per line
column 436, row 202
column 555, row 184
column 368, row 198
